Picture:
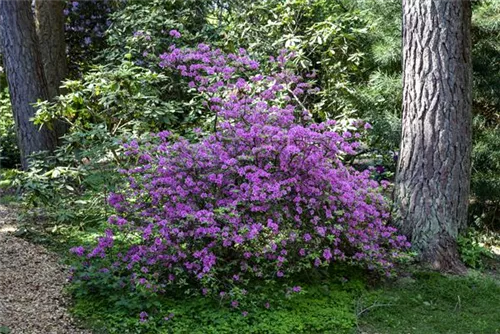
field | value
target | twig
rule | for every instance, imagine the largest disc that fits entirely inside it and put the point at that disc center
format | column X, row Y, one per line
column 370, row 307
column 298, row 100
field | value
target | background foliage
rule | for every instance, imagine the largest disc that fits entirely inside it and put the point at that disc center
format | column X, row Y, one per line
column 9, row 153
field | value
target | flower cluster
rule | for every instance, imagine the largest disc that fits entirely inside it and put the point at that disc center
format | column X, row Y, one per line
column 264, row 196
column 86, row 23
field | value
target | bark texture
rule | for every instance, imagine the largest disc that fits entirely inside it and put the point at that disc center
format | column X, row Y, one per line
column 50, row 29
column 433, row 173
column 25, row 75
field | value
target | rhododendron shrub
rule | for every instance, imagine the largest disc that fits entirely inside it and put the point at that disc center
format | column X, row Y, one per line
column 264, row 196
column 85, row 26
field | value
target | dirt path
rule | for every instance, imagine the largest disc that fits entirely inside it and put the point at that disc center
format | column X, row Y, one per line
column 31, row 283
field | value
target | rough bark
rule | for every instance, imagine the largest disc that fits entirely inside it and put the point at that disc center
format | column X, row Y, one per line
column 433, row 173
column 25, row 75
column 50, row 29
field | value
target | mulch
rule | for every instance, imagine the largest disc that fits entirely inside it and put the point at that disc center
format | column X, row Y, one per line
column 32, row 280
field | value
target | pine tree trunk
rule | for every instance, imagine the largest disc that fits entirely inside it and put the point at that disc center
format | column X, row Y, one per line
column 24, row 68
column 433, row 173
column 50, row 29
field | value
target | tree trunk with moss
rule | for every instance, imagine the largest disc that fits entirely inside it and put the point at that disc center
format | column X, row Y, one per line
column 433, row 173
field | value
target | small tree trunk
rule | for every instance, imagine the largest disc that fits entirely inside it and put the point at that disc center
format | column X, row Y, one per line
column 433, row 173
column 50, row 29
column 25, row 75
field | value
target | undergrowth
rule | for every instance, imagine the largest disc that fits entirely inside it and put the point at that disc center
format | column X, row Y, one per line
column 344, row 300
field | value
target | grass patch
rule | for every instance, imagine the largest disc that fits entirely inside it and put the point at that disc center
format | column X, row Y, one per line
column 433, row 303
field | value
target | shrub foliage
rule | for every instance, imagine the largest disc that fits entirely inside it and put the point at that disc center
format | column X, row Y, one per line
column 265, row 196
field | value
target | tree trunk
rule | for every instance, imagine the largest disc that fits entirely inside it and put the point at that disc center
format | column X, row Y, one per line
column 24, row 68
column 433, row 173
column 50, row 29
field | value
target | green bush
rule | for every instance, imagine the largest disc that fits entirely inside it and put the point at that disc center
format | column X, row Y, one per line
column 471, row 252
column 485, row 185
column 9, row 153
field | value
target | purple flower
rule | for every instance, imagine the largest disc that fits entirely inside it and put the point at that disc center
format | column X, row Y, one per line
column 143, row 316
column 327, row 254
column 79, row 251
column 174, row 34
column 296, row 289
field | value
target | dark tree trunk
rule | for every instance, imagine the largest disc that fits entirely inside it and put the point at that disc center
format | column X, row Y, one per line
column 433, row 174
column 25, row 75
column 50, row 29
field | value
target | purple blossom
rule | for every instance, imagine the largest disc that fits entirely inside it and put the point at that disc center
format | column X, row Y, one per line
column 254, row 198
column 327, row 254
column 79, row 251
column 174, row 34
column 380, row 169
column 143, row 316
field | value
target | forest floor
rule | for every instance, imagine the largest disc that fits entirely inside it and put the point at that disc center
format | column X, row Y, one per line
column 31, row 285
